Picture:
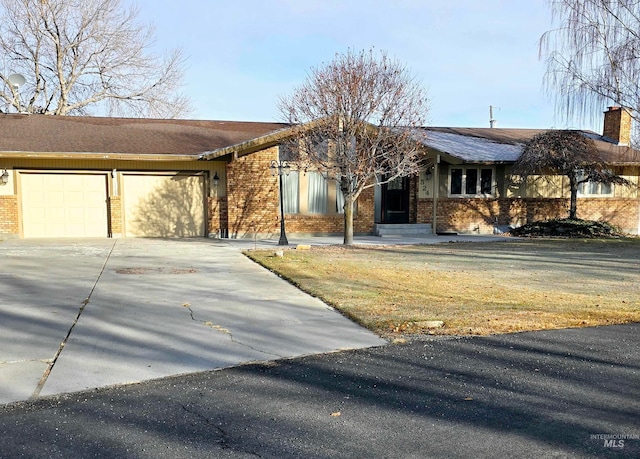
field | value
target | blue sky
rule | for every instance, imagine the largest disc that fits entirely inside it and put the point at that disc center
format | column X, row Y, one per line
column 469, row 54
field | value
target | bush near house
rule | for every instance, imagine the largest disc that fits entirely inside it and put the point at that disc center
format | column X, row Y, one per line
column 567, row 227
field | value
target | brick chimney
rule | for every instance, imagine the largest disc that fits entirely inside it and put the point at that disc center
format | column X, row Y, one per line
column 617, row 125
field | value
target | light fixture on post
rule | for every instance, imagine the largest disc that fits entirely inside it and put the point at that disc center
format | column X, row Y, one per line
column 279, row 168
column 4, row 177
column 216, row 180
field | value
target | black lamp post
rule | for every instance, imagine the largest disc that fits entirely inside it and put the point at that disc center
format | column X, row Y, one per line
column 279, row 168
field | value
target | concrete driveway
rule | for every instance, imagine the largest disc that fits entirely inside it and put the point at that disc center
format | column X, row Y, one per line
column 83, row 314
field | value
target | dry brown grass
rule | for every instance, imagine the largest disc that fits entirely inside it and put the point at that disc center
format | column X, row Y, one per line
column 474, row 288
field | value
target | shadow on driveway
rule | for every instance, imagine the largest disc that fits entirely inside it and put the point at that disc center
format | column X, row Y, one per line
column 538, row 394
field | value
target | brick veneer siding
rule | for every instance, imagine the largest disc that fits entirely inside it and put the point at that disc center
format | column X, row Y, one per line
column 617, row 125
column 252, row 195
column 328, row 224
column 621, row 212
column 413, row 199
column 483, row 215
column 253, row 203
column 9, row 224
column 115, row 216
column 218, row 221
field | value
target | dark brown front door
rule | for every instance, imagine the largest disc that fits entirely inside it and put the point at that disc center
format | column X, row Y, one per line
column 395, row 201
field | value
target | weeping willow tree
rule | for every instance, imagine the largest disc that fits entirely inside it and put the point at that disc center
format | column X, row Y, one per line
column 592, row 56
column 359, row 118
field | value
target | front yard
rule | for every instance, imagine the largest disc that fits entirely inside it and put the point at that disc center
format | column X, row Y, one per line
column 473, row 288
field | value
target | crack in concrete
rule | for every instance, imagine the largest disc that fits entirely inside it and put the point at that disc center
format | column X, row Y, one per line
column 226, row 331
column 84, row 303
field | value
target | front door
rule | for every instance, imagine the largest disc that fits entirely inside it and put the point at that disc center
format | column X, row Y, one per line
column 395, row 201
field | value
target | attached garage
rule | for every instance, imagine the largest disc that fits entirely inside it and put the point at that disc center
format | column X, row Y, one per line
column 64, row 204
column 81, row 176
column 164, row 205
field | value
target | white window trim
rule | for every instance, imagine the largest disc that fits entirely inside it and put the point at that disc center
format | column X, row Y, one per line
column 464, row 178
column 610, row 194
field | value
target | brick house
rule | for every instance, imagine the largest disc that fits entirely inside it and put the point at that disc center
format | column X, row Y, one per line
column 476, row 193
column 116, row 177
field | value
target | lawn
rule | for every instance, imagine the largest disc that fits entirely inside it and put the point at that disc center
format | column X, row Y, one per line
column 472, row 288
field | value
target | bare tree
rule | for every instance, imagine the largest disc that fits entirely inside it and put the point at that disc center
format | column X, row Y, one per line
column 85, row 56
column 593, row 55
column 568, row 153
column 356, row 119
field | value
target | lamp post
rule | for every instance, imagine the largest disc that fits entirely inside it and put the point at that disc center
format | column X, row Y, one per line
column 279, row 168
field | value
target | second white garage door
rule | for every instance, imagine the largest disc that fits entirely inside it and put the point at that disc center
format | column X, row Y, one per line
column 163, row 205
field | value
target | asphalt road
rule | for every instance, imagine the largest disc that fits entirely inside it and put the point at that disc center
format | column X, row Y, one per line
column 539, row 394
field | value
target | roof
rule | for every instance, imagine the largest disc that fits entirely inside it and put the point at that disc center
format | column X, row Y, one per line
column 141, row 138
column 500, row 145
column 34, row 134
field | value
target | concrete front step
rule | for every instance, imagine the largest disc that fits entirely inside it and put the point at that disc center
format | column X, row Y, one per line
column 402, row 229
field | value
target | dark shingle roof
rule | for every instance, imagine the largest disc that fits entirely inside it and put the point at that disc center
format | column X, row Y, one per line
column 34, row 134
column 70, row 134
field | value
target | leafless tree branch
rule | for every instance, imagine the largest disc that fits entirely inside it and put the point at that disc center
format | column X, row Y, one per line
column 592, row 56
column 86, row 56
column 367, row 108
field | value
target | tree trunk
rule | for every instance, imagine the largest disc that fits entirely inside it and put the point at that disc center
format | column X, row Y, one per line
column 573, row 206
column 348, row 220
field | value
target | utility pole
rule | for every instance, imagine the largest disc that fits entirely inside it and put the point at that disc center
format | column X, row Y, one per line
column 492, row 122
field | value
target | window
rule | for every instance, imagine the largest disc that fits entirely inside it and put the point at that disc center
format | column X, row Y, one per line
column 290, row 193
column 287, row 152
column 456, row 181
column 320, row 150
column 470, row 181
column 317, row 194
column 339, row 199
column 594, row 188
column 311, row 192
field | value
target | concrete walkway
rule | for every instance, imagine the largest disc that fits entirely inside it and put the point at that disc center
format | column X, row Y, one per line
column 295, row 240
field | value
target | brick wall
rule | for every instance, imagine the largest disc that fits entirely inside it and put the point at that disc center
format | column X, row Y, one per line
column 324, row 224
column 9, row 225
column 253, row 203
column 218, row 221
column 617, row 125
column 413, row 199
column 252, row 195
column 115, row 216
column 623, row 213
column 481, row 215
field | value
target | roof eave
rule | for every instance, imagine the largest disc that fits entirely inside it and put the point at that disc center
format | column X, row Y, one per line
column 103, row 156
column 249, row 146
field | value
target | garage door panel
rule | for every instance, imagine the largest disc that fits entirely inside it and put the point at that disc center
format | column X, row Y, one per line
column 164, row 205
column 64, row 205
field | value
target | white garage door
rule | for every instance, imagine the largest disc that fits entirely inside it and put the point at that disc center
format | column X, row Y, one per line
column 163, row 205
column 64, row 205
